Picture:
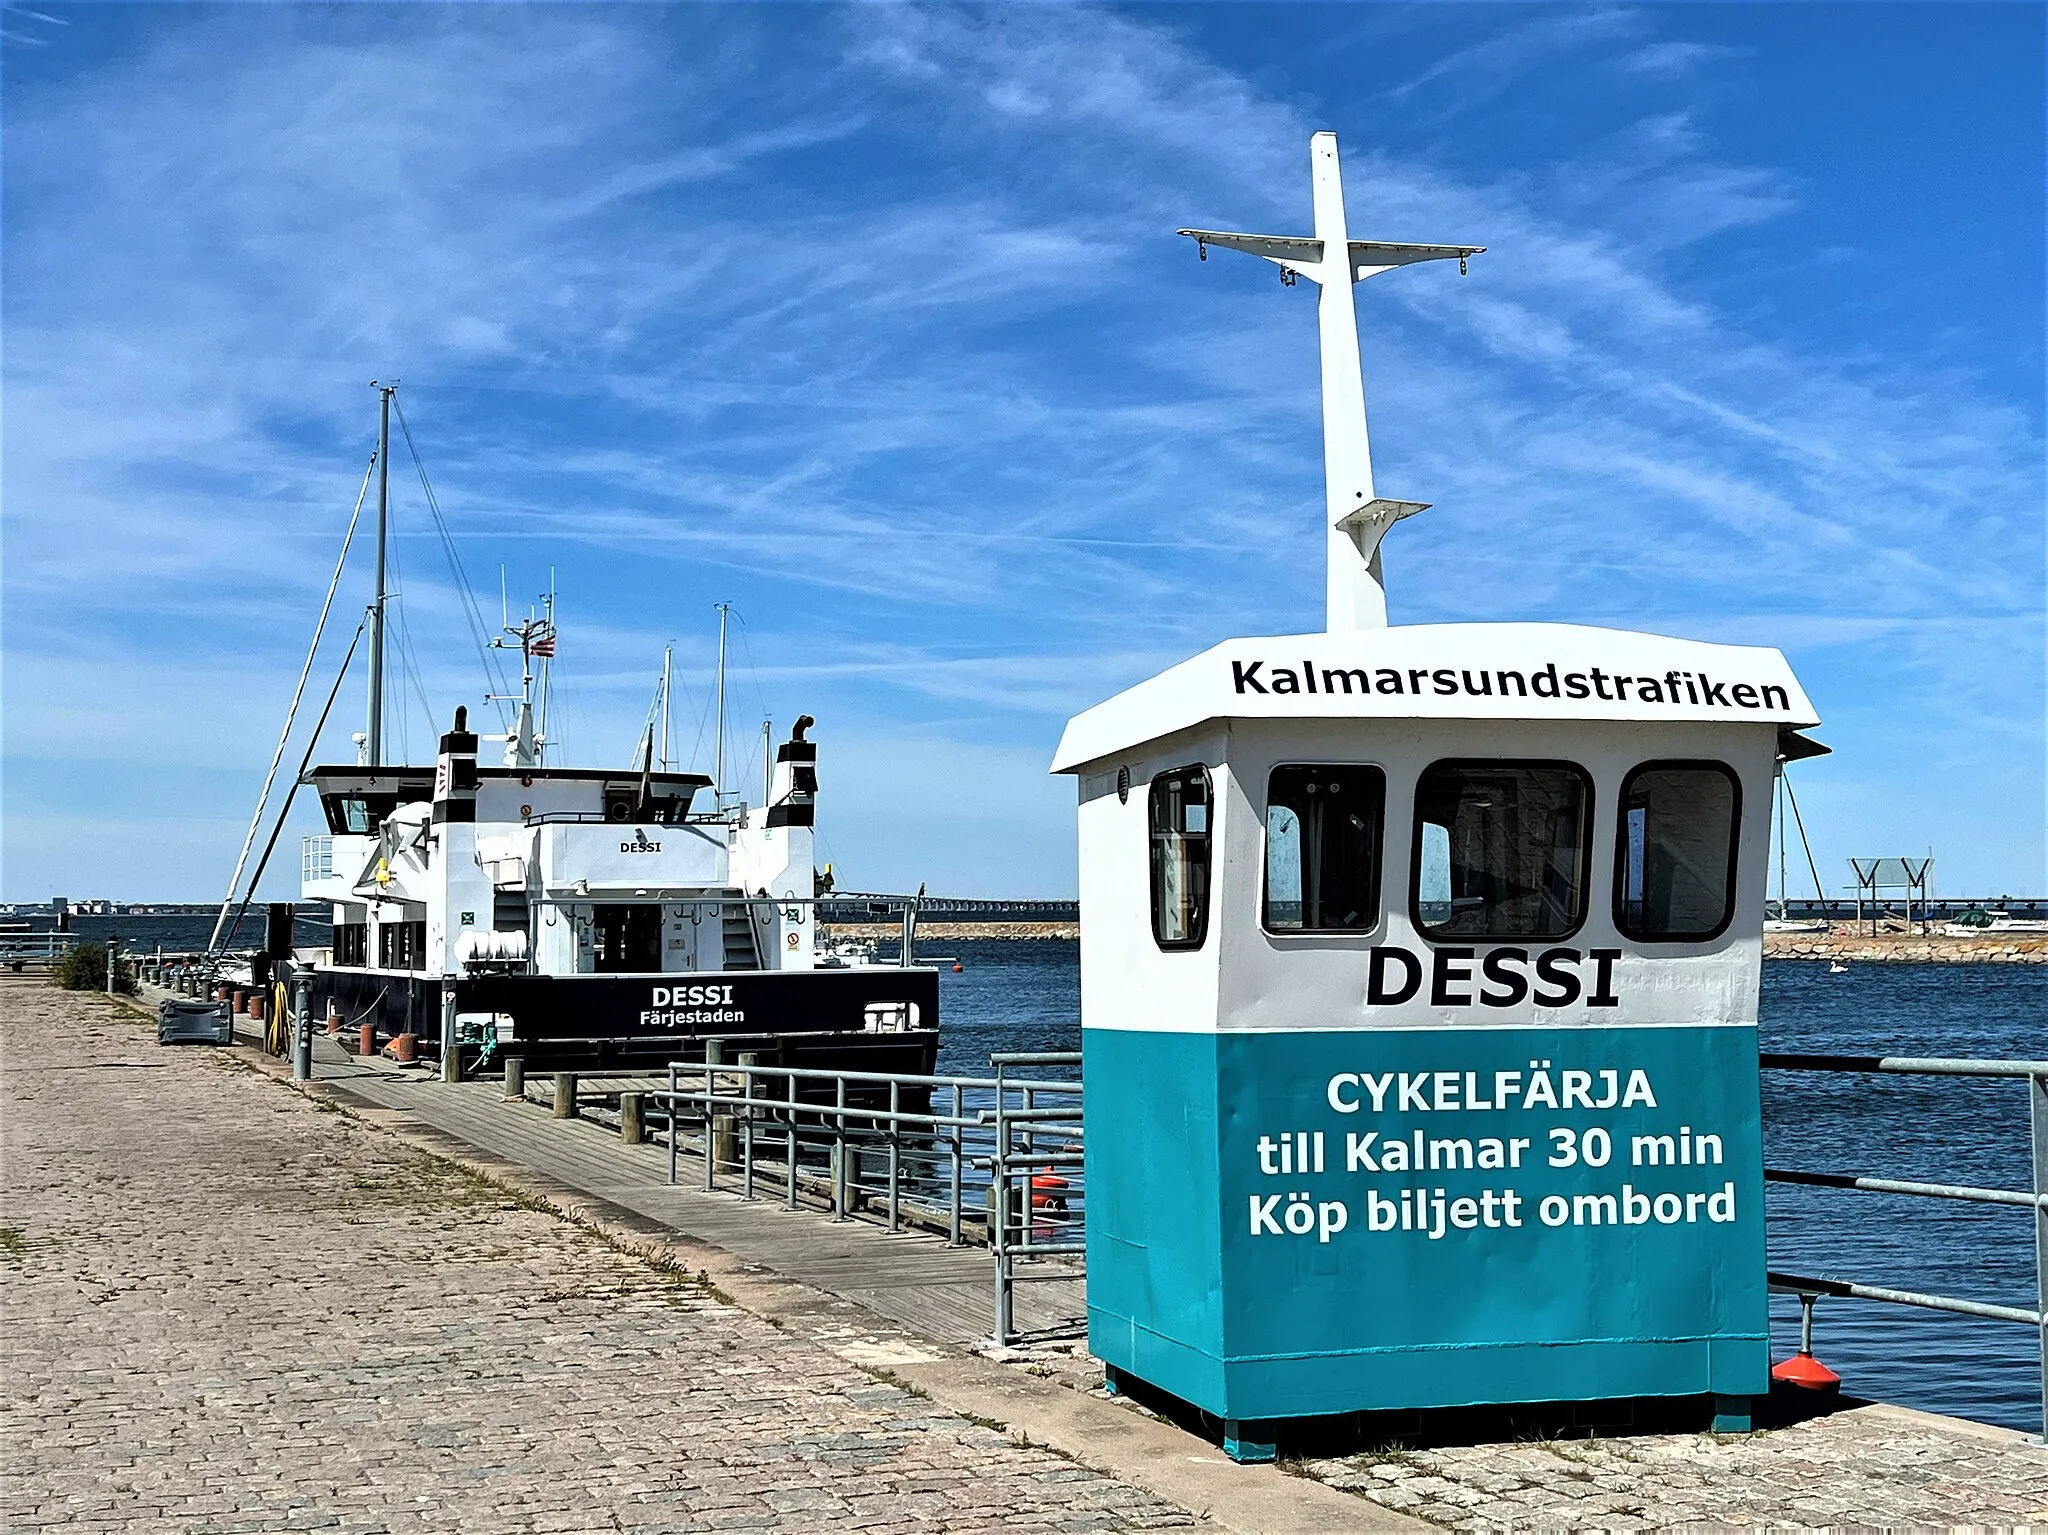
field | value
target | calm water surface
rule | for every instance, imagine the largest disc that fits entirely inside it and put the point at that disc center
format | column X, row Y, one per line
column 1026, row 996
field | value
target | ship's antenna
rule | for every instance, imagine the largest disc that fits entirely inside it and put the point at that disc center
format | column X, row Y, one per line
column 1355, row 588
column 718, row 736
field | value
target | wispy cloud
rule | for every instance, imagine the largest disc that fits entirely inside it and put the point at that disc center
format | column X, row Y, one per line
column 871, row 319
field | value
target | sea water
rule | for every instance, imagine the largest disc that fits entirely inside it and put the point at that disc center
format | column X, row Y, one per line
column 1026, row 996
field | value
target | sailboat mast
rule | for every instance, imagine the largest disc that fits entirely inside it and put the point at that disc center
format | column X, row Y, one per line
column 375, row 735
column 667, row 652
column 1782, row 911
column 718, row 739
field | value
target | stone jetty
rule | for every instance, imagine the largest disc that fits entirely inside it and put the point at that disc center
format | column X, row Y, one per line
column 1849, row 943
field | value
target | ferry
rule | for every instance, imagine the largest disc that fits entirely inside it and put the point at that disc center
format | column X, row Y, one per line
column 575, row 916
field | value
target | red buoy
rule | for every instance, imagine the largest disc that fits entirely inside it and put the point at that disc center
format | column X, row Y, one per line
column 1806, row 1372
column 958, row 967
column 1802, row 1369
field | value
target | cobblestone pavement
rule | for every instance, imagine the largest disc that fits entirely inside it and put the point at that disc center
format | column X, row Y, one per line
column 225, row 1309
column 1867, row 1467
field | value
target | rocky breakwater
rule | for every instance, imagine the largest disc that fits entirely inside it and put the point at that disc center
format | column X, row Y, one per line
column 1844, row 944
column 951, row 930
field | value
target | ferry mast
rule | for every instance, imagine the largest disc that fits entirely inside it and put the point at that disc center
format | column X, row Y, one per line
column 1355, row 586
column 373, row 746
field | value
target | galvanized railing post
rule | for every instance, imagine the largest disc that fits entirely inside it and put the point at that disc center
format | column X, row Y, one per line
column 895, row 1107
column 2037, row 1106
column 999, row 1215
column 748, row 1058
column 789, row 1169
column 953, row 1224
column 708, row 1124
column 839, row 1149
column 671, row 1122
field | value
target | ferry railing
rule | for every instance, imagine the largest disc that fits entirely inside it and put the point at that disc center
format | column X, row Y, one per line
column 1013, row 1143
column 1808, row 1289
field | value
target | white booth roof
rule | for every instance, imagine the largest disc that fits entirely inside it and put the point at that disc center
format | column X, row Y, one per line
column 1447, row 671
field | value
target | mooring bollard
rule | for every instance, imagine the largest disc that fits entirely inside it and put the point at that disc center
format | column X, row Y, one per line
column 302, row 1033
column 565, row 1095
column 256, row 1007
column 238, row 1001
column 631, row 1131
column 515, row 1079
column 334, row 1018
column 367, row 1044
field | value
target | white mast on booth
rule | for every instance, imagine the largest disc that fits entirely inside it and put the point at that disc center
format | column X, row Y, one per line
column 1356, row 588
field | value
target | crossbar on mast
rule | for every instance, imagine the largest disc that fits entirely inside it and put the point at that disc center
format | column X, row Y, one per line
column 1355, row 595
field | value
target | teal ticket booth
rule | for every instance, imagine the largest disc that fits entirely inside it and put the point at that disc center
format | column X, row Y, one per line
column 1419, row 976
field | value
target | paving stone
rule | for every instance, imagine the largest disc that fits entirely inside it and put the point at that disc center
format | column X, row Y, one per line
column 1867, row 1467
column 224, row 1310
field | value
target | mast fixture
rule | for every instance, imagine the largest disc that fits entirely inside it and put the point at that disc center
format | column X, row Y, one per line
column 1355, row 586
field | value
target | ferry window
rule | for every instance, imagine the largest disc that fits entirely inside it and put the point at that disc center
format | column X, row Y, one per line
column 358, row 815
column 351, row 943
column 402, row 945
column 1180, row 807
column 1323, row 848
column 1675, row 864
column 1501, row 849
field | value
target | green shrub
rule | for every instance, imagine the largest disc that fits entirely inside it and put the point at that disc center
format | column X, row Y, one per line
column 83, row 967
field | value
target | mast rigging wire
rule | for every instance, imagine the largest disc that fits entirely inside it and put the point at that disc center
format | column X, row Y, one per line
column 285, row 809
column 1813, row 868
column 291, row 714
column 470, row 610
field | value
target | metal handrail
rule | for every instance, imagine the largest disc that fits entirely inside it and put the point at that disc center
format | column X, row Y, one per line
column 1017, row 1227
column 2035, row 1074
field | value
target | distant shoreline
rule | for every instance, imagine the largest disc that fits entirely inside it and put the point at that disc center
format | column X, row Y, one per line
column 1844, row 945
column 954, row 931
column 1841, row 946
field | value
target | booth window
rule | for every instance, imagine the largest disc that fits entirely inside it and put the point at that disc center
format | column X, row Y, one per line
column 1180, row 858
column 1323, row 848
column 1674, row 868
column 1501, row 849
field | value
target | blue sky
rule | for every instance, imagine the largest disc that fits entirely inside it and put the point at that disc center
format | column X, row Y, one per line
column 871, row 321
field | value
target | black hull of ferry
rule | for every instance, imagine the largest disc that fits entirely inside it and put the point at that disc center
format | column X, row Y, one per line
column 815, row 1020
